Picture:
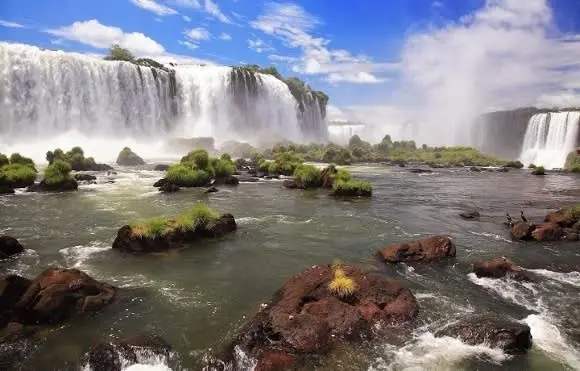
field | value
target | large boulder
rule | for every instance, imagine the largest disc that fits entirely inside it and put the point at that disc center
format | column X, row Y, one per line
column 498, row 268
column 168, row 187
column 522, row 231
column 9, row 246
column 511, row 337
column 6, row 190
column 126, row 240
column 118, row 356
column 129, row 158
column 422, row 251
column 548, row 232
column 87, row 178
column 11, row 290
column 305, row 318
column 57, row 294
column 560, row 218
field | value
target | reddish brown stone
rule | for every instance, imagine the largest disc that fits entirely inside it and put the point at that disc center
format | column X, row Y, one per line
column 423, row 251
column 522, row 231
column 274, row 361
column 548, row 232
column 560, row 219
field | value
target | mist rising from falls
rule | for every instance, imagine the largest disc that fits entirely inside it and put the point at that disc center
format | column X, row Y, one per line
column 49, row 96
column 549, row 138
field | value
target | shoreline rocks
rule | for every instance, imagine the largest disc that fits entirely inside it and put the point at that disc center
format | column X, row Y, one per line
column 557, row 226
column 9, row 246
column 305, row 318
column 421, row 251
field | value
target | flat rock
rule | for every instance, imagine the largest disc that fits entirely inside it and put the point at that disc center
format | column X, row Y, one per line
column 422, row 251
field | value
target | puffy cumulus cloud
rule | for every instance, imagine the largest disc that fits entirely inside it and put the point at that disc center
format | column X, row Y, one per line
column 97, row 35
column 503, row 55
column 291, row 24
column 225, row 36
column 197, row 34
column 154, row 7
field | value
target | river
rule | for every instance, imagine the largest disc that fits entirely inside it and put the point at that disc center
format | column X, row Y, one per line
column 197, row 298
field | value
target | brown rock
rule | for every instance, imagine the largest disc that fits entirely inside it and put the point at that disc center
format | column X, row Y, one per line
column 304, row 318
column 424, row 251
column 498, row 268
column 560, row 219
column 548, row 232
column 107, row 356
column 290, row 184
column 522, row 231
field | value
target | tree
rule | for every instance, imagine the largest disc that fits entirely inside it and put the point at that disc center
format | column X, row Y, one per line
column 116, row 53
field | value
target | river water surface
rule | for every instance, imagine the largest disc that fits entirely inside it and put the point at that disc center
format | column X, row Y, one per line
column 198, row 297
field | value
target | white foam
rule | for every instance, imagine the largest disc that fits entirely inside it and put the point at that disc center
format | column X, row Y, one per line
column 547, row 337
column 571, row 278
column 427, row 352
column 492, row 235
column 523, row 294
column 76, row 256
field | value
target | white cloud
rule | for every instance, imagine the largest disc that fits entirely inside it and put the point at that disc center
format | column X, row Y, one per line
column 282, row 58
column 186, row 18
column 225, row 36
column 293, row 26
column 213, row 9
column 187, row 3
column 57, row 42
column 188, row 44
column 259, row 46
column 152, row 6
column 101, row 36
column 11, row 24
column 197, row 34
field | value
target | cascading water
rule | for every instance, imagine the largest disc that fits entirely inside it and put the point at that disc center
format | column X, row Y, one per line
column 549, row 138
column 53, row 98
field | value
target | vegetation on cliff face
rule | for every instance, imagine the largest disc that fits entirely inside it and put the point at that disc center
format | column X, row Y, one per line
column 573, row 162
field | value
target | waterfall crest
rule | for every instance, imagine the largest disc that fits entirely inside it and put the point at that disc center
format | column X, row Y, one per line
column 45, row 94
column 549, row 138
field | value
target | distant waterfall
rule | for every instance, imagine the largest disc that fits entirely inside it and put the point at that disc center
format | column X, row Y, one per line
column 45, row 93
column 549, row 138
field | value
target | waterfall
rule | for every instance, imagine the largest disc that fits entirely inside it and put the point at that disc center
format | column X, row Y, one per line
column 53, row 94
column 549, row 138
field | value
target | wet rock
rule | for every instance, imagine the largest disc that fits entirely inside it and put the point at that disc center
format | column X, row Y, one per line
column 161, row 182
column 11, row 290
column 420, row 171
column 475, row 169
column 522, row 231
column 9, row 246
column 211, row 190
column 511, row 337
column 248, row 179
column 129, row 158
column 502, row 170
column 161, row 167
column 57, row 294
column 5, row 190
column 230, row 180
column 14, row 331
column 168, row 187
column 290, row 184
column 66, row 185
column 547, row 232
column 498, row 268
column 571, row 235
column 85, row 178
column 118, row 356
column 126, row 241
column 422, row 251
column 473, row 214
column 304, row 318
column 559, row 218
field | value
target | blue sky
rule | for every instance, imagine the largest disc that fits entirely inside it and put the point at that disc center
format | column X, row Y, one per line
column 368, row 55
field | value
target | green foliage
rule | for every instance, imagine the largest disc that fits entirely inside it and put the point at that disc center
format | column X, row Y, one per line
column 531, row 166
column 307, row 176
column 539, row 170
column 337, row 155
column 117, row 53
column 3, row 160
column 514, row 164
column 572, row 161
column 129, row 158
column 18, row 175
column 75, row 157
column 224, row 167
column 351, row 188
column 574, row 168
column 199, row 216
column 57, row 172
column 16, row 158
column 573, row 212
column 199, row 158
column 186, row 176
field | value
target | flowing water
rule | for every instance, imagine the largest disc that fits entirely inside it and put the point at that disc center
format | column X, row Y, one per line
column 198, row 297
column 549, row 138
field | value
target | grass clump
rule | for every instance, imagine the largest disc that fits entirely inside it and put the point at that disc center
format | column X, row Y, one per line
column 308, row 176
column 57, row 173
column 16, row 171
column 352, row 188
column 539, row 170
column 197, row 169
column 572, row 212
column 341, row 285
column 76, row 158
column 186, row 176
column 200, row 216
column 514, row 164
column 575, row 168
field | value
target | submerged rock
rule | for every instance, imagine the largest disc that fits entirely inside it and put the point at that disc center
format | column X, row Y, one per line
column 498, row 268
column 118, row 356
column 512, row 337
column 126, row 240
column 211, row 190
column 304, row 318
column 522, row 231
column 422, row 251
column 290, row 184
column 5, row 190
column 473, row 214
column 168, row 187
column 420, row 171
column 9, row 246
column 161, row 167
column 85, row 178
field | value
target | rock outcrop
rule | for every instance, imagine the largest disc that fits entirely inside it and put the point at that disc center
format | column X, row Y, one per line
column 129, row 158
column 499, row 268
column 9, row 246
column 118, row 356
column 512, row 337
column 522, row 231
column 66, row 185
column 423, row 251
column 305, row 318
column 126, row 240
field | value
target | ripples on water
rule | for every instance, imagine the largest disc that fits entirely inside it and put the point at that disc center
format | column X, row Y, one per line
column 198, row 297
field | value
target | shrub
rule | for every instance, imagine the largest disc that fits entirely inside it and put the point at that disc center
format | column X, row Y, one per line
column 18, row 175
column 16, row 158
column 184, row 176
column 307, row 176
column 117, row 53
column 575, row 168
column 337, row 155
column 3, row 160
column 514, row 164
column 351, row 188
column 129, row 158
column 224, row 167
column 539, row 170
column 57, row 173
column 531, row 166
column 573, row 212
column 198, row 157
column 76, row 158
column 341, row 285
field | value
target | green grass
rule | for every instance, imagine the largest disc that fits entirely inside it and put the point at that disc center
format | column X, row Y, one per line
column 342, row 175
column 539, row 170
column 308, row 176
column 575, row 168
column 19, row 173
column 352, row 188
column 199, row 216
column 185, row 176
column 572, row 212
column 57, row 173
column 514, row 164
